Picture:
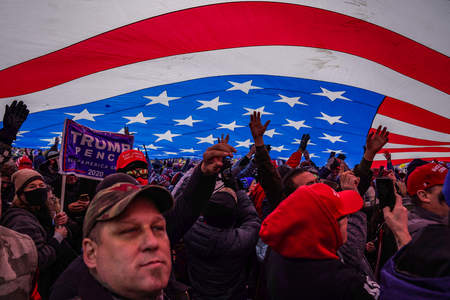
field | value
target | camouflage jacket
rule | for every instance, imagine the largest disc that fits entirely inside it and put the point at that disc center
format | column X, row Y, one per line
column 18, row 264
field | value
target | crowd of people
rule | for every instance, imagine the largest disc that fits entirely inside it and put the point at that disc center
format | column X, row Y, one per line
column 223, row 228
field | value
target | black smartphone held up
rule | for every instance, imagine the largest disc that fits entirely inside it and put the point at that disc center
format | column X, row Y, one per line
column 385, row 192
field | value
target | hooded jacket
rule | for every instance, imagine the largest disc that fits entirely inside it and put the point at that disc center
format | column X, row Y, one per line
column 421, row 269
column 304, row 236
column 217, row 258
column 419, row 218
column 53, row 256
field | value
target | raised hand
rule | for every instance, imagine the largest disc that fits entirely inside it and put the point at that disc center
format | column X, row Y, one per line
column 375, row 142
column 213, row 157
column 349, row 181
column 222, row 140
column 387, row 155
column 304, row 142
column 257, row 128
column 13, row 118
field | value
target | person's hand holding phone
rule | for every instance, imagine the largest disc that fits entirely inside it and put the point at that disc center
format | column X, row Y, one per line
column 385, row 192
column 397, row 220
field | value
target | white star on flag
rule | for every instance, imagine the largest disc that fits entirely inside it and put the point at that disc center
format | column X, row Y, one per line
column 335, row 151
column 209, row 139
column 243, row 87
column 168, row 135
column 279, row 148
column 213, row 104
column 259, row 109
column 245, row 144
column 49, row 141
column 190, row 150
column 84, row 115
column 122, row 131
column 296, row 124
column 331, row 138
column 232, row 126
column 139, row 118
column 332, row 95
column 20, row 133
column 170, row 153
column 331, row 119
column 298, row 141
column 188, row 121
column 291, row 101
column 153, row 147
column 270, row 133
column 161, row 99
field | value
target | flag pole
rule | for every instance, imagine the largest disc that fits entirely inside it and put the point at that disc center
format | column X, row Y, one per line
column 63, row 191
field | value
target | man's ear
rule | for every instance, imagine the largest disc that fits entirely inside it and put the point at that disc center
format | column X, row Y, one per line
column 423, row 197
column 90, row 253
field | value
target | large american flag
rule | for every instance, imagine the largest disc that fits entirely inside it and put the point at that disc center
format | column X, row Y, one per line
column 180, row 76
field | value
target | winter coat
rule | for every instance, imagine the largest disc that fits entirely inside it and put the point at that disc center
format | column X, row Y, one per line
column 304, row 237
column 352, row 252
column 217, row 258
column 419, row 217
column 421, row 269
column 297, row 278
column 18, row 265
column 77, row 283
column 188, row 205
column 53, row 257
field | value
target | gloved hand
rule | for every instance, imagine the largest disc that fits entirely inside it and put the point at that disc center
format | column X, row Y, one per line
column 13, row 118
column 304, row 142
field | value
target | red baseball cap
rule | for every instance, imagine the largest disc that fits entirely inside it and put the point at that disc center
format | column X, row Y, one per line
column 129, row 156
column 426, row 176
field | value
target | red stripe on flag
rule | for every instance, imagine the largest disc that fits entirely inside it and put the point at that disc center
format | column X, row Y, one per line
column 418, row 149
column 406, row 140
column 229, row 25
column 396, row 162
column 409, row 113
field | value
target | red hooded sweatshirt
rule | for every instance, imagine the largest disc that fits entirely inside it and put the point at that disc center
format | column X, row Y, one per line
column 305, row 224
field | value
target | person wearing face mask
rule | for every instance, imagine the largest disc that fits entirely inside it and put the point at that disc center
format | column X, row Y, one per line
column 133, row 163
column 49, row 171
column 30, row 215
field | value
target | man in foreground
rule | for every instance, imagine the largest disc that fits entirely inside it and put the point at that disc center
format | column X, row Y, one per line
column 127, row 234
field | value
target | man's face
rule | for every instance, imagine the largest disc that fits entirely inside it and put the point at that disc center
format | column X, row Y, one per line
column 432, row 200
column 216, row 164
column 305, row 178
column 133, row 254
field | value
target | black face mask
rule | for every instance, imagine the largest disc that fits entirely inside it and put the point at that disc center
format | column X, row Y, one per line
column 36, row 197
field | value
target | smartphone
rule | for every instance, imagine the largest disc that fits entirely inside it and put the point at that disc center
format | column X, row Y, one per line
column 385, row 192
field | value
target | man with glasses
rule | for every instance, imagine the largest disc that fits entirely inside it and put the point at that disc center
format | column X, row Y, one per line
column 133, row 163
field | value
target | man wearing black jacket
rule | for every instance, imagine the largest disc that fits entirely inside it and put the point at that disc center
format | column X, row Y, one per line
column 143, row 217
